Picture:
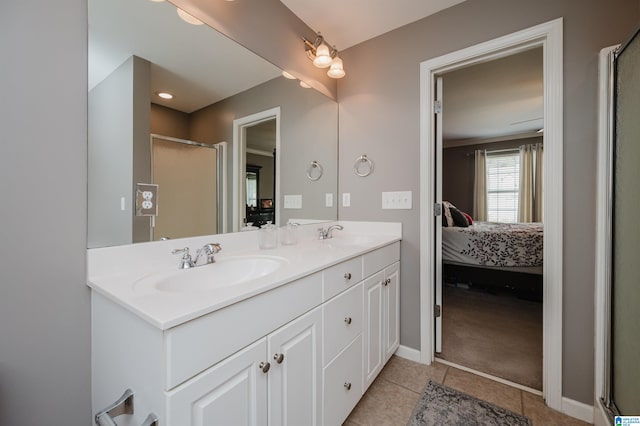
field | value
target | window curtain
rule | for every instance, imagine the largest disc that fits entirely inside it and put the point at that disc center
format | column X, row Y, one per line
column 530, row 202
column 480, row 186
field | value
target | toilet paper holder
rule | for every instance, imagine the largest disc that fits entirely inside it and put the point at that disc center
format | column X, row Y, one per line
column 124, row 405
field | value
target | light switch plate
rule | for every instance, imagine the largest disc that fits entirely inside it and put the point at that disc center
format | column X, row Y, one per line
column 399, row 200
column 346, row 199
column 328, row 199
column 146, row 199
column 293, row 201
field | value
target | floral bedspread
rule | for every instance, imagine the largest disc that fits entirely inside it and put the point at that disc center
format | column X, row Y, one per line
column 503, row 244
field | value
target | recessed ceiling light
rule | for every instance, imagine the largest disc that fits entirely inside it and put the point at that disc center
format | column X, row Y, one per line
column 188, row 18
column 287, row 75
column 305, row 85
column 165, row 95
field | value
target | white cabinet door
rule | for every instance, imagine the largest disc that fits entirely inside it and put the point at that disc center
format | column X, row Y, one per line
column 295, row 377
column 233, row 392
column 391, row 308
column 373, row 327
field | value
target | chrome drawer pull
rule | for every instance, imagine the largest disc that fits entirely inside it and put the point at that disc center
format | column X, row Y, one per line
column 347, row 276
column 264, row 366
column 347, row 385
column 278, row 358
column 347, row 320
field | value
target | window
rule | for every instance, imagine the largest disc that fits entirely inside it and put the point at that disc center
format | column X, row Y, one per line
column 503, row 185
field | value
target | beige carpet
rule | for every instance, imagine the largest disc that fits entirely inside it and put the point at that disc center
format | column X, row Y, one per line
column 495, row 334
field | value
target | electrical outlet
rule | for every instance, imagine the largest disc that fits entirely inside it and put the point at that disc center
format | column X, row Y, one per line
column 146, row 199
column 346, row 199
column 328, row 199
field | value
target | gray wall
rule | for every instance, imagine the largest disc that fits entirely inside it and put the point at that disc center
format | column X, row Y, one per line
column 118, row 154
column 458, row 170
column 379, row 116
column 169, row 122
column 308, row 131
column 45, row 376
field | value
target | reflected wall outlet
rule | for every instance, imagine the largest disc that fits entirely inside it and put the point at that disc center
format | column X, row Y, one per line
column 292, row 201
column 346, row 199
column 146, row 199
column 328, row 199
column 399, row 200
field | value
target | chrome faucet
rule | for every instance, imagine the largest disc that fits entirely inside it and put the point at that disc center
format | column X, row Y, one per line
column 325, row 234
column 187, row 262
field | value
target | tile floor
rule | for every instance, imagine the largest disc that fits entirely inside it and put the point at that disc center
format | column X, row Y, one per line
column 391, row 398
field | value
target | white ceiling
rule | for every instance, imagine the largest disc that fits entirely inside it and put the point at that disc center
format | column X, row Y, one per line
column 346, row 23
column 203, row 67
column 197, row 63
column 494, row 99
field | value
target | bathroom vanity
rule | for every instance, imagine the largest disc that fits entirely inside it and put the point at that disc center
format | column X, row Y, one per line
column 289, row 336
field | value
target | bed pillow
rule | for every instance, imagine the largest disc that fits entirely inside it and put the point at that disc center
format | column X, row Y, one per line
column 459, row 218
column 469, row 219
column 447, row 218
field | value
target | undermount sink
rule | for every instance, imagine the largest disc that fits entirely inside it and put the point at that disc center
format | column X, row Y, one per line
column 225, row 272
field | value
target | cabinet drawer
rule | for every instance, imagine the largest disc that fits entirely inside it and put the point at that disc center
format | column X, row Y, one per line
column 343, row 384
column 340, row 277
column 342, row 321
column 379, row 259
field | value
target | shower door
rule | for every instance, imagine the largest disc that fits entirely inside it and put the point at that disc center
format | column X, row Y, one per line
column 625, row 298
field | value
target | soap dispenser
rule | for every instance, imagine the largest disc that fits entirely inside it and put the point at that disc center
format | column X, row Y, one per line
column 268, row 238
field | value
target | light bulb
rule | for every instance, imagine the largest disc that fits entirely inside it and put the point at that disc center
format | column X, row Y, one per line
column 287, row 75
column 323, row 57
column 305, row 85
column 336, row 70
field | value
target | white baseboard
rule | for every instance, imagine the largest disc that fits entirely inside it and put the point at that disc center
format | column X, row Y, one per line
column 576, row 409
column 408, row 353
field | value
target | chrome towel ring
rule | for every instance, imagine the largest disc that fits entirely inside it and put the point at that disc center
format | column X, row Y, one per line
column 314, row 172
column 363, row 166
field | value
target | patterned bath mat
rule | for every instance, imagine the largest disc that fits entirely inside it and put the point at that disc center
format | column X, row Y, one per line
column 440, row 405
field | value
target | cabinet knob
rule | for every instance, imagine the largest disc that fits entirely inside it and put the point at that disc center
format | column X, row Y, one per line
column 347, row 320
column 264, row 366
column 278, row 358
column 387, row 282
column 347, row 276
column 347, row 385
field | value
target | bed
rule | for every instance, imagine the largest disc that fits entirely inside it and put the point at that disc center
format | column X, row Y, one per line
column 504, row 254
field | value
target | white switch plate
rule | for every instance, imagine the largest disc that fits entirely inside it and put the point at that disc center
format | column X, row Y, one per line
column 399, row 200
column 346, row 199
column 293, row 201
column 328, row 199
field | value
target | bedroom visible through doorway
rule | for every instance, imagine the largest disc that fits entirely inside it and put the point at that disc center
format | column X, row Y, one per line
column 492, row 234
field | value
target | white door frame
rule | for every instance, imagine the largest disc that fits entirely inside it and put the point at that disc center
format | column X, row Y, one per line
column 239, row 161
column 549, row 36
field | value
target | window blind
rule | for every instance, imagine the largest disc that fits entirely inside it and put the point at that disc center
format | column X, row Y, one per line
column 503, row 186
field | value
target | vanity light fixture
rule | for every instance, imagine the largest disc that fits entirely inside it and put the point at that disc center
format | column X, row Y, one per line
column 305, row 85
column 188, row 18
column 287, row 75
column 324, row 56
column 165, row 95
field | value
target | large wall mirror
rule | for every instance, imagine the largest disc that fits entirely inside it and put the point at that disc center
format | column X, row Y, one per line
column 231, row 112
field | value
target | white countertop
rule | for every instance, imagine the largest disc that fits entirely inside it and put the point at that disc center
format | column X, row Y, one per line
column 117, row 271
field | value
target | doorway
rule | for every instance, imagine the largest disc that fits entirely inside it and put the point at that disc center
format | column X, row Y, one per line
column 263, row 129
column 491, row 145
column 191, row 181
column 549, row 37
